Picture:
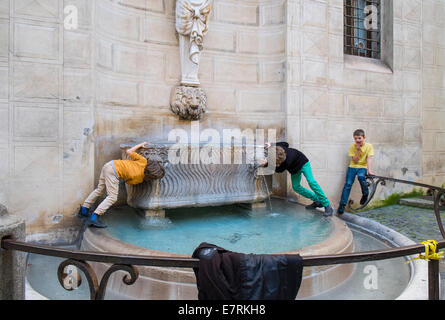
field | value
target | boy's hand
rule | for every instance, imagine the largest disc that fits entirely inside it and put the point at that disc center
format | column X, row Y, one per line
column 263, row 162
column 136, row 147
column 371, row 173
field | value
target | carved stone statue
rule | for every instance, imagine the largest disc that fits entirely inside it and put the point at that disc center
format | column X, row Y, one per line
column 188, row 100
column 189, row 103
column 191, row 25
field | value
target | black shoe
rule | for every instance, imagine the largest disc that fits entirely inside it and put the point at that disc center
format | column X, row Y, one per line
column 83, row 212
column 341, row 209
column 328, row 211
column 96, row 223
column 314, row 205
column 363, row 199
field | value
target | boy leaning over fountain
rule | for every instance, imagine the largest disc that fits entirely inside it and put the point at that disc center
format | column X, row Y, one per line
column 361, row 154
column 133, row 171
column 297, row 164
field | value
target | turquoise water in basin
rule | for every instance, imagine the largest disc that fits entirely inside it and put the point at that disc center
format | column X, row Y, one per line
column 280, row 227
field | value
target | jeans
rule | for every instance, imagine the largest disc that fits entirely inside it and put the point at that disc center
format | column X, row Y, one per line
column 317, row 195
column 350, row 177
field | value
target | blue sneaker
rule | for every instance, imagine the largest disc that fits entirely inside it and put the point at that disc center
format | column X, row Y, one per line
column 84, row 212
column 94, row 221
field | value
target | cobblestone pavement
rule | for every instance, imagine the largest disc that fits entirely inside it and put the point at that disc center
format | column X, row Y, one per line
column 418, row 224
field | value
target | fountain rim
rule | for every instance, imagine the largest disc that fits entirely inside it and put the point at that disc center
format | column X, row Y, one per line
column 328, row 246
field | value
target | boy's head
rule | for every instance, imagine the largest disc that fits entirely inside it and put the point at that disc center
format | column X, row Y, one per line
column 154, row 170
column 359, row 136
column 280, row 156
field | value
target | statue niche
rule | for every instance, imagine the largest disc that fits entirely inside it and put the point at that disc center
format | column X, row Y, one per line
column 191, row 25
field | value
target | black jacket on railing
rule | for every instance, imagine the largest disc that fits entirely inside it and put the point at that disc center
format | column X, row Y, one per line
column 227, row 275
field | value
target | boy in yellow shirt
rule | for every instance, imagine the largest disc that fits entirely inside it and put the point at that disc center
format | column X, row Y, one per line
column 361, row 154
column 133, row 171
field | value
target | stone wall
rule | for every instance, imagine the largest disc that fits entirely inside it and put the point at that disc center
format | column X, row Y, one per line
column 69, row 98
column 46, row 114
column 433, row 92
column 331, row 94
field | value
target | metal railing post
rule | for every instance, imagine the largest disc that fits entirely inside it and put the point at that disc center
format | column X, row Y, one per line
column 433, row 280
column 12, row 262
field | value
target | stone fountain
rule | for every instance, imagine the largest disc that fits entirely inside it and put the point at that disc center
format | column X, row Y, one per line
column 191, row 182
column 194, row 183
column 156, row 283
column 199, row 184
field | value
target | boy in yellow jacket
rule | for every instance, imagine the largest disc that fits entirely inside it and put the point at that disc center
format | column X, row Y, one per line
column 133, row 171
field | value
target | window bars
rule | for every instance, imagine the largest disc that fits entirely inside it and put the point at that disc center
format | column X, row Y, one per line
column 362, row 28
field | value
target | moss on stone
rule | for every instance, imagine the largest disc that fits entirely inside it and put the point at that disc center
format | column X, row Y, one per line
column 393, row 199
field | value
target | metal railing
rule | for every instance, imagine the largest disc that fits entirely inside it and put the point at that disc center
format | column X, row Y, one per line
column 128, row 263
column 437, row 195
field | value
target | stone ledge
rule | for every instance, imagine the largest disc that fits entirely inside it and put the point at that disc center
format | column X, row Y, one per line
column 366, row 64
column 419, row 202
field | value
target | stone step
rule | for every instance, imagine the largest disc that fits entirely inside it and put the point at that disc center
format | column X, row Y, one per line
column 420, row 202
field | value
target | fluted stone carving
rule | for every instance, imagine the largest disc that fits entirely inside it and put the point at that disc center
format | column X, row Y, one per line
column 195, row 184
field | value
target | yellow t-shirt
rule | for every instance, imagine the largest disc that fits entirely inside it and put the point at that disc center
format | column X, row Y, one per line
column 132, row 171
column 367, row 151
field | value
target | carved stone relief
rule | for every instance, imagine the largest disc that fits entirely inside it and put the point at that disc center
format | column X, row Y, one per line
column 188, row 100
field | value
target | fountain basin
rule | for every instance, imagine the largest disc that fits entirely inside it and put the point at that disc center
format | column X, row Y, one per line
column 194, row 182
column 180, row 283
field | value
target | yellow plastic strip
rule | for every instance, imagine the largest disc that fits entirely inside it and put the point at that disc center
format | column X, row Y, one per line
column 430, row 252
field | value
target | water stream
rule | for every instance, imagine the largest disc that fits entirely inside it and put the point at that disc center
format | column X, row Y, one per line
column 263, row 178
